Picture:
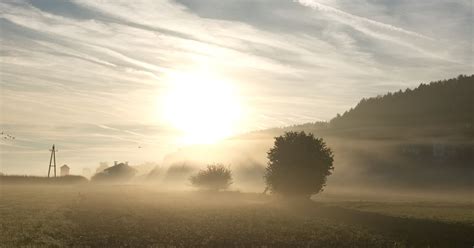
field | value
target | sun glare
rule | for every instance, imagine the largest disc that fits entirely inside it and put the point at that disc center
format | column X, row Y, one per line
column 205, row 108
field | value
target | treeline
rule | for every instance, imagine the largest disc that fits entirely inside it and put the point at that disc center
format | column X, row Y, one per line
column 446, row 103
column 438, row 109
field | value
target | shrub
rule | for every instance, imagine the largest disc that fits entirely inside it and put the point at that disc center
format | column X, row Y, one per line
column 214, row 177
column 298, row 165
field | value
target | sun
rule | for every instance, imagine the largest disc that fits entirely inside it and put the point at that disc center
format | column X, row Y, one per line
column 203, row 107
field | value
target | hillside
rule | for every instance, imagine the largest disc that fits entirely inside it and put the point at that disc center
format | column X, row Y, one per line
column 438, row 109
column 442, row 104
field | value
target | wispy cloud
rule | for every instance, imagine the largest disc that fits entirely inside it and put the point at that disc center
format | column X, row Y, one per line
column 355, row 20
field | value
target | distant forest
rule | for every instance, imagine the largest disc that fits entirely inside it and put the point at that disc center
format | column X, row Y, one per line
column 439, row 109
column 442, row 103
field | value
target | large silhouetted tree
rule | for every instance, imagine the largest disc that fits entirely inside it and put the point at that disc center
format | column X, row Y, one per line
column 298, row 165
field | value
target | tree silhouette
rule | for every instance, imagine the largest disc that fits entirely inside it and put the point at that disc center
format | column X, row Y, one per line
column 298, row 165
column 214, row 177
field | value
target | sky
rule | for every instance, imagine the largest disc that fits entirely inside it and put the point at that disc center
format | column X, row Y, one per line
column 135, row 80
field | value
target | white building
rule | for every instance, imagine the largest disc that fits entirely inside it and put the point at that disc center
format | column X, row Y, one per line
column 64, row 170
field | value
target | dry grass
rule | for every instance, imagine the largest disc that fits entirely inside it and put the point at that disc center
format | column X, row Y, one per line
column 132, row 216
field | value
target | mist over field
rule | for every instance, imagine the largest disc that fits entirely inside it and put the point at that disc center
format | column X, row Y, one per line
column 406, row 167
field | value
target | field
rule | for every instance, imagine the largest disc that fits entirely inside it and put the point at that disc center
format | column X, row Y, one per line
column 137, row 216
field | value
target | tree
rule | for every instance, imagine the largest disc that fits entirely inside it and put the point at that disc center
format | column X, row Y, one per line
column 298, row 165
column 214, row 177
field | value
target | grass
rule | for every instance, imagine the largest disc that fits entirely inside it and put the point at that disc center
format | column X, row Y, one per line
column 448, row 212
column 23, row 179
column 133, row 216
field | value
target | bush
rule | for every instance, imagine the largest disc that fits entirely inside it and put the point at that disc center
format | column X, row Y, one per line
column 214, row 177
column 298, row 165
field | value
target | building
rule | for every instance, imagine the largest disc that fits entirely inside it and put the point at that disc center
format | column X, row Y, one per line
column 64, row 170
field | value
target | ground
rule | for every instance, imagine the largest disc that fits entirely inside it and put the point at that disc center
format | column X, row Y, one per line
column 137, row 216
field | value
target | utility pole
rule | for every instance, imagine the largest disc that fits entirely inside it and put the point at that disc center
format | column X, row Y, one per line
column 52, row 161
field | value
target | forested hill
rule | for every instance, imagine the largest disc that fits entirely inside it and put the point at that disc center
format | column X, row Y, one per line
column 446, row 103
column 438, row 109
